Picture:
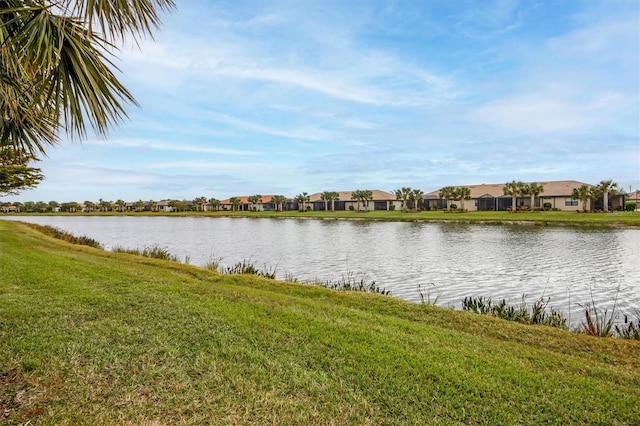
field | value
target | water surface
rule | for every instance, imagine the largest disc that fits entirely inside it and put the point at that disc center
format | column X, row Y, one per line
column 448, row 261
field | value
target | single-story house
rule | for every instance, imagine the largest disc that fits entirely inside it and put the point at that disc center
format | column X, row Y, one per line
column 382, row 200
column 491, row 197
column 163, row 206
column 9, row 209
column 266, row 204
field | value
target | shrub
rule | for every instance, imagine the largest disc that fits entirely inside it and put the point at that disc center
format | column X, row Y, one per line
column 392, row 207
column 453, row 206
column 547, row 206
column 630, row 206
column 351, row 208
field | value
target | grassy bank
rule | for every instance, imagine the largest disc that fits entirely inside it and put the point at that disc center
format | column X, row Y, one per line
column 94, row 337
column 613, row 219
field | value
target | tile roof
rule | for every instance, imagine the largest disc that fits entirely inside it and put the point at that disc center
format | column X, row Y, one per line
column 556, row 188
column 346, row 196
column 245, row 199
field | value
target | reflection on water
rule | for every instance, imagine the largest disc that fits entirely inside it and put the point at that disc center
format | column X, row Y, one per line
column 452, row 261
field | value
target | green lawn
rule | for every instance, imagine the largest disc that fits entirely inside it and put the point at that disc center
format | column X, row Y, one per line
column 94, row 337
column 613, row 219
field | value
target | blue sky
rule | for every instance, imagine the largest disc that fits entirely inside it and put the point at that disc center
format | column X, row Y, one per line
column 281, row 97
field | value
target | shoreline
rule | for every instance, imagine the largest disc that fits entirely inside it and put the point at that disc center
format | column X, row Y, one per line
column 615, row 220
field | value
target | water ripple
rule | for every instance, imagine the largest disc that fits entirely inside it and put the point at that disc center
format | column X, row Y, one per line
column 571, row 266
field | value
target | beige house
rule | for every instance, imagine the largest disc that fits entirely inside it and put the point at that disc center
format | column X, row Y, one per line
column 9, row 209
column 246, row 205
column 491, row 197
column 382, row 200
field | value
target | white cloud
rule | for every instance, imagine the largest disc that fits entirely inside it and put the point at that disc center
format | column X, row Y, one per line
column 313, row 133
column 165, row 146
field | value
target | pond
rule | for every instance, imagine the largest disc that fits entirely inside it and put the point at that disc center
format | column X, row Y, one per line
column 572, row 266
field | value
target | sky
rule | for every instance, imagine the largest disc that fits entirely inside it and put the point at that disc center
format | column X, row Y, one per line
column 282, row 97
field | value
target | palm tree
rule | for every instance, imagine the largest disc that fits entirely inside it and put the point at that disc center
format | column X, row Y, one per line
column 302, row 200
column 235, row 203
column 416, row 196
column 139, row 205
column 120, row 204
column 153, row 205
column 326, row 196
column 357, row 196
column 201, row 203
column 448, row 193
column 278, row 200
column 254, row 200
column 367, row 195
column 333, row 197
column 215, row 204
column 605, row 189
column 72, row 206
column 177, row 205
column 104, row 205
column 53, row 205
column 362, row 196
column 56, row 66
column 89, row 206
column 583, row 193
column 403, row 194
column 463, row 193
column 533, row 189
column 513, row 188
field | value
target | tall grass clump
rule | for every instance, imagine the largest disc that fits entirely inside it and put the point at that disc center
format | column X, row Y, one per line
column 65, row 236
column 597, row 322
column 154, row 252
column 213, row 263
column 538, row 313
column 629, row 329
column 246, row 267
column 426, row 299
column 350, row 282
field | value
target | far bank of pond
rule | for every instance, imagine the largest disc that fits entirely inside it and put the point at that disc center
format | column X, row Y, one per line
column 618, row 219
column 447, row 261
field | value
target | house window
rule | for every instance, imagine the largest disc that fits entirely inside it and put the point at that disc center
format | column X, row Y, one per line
column 570, row 202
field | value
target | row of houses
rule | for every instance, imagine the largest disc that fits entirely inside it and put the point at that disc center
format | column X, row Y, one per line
column 485, row 197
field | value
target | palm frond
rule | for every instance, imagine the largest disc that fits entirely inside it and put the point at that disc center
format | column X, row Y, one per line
column 55, row 70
